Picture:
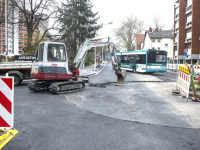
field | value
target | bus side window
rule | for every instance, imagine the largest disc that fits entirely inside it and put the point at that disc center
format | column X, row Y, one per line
column 132, row 59
column 137, row 58
column 142, row 59
column 119, row 58
column 124, row 59
column 128, row 59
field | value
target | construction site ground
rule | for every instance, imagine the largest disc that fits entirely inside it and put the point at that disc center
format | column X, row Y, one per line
column 141, row 114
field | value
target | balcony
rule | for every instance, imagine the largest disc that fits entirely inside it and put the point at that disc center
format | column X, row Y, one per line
column 176, row 39
column 188, row 9
column 189, row 25
column 189, row 3
column 176, row 25
column 187, row 41
column 176, row 5
column 189, row 20
column 189, row 35
column 176, row 53
column 176, row 31
column 176, row 17
column 176, row 1
column 20, row 45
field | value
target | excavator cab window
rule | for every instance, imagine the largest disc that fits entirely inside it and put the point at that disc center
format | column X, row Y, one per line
column 40, row 52
column 56, row 52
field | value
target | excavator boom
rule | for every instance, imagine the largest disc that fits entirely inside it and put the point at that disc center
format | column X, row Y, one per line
column 107, row 41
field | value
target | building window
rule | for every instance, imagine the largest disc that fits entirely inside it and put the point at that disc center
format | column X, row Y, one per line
column 153, row 47
column 153, row 40
column 158, row 48
column 166, row 45
column 158, row 40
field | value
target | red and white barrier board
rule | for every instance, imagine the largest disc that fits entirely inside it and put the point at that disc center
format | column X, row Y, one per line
column 197, row 70
column 6, row 102
column 184, row 83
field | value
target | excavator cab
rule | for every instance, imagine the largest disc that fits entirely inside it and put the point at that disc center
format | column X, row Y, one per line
column 48, row 52
column 51, row 70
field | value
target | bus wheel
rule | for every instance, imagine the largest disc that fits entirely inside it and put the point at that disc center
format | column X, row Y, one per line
column 134, row 70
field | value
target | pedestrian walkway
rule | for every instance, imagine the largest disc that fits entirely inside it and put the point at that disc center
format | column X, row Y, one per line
column 89, row 70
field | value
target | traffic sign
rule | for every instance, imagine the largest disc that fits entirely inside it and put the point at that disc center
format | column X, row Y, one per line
column 185, row 50
column 185, row 54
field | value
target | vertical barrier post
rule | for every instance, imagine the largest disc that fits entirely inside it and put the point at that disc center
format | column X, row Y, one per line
column 6, row 110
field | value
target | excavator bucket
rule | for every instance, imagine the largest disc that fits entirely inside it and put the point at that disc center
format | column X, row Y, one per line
column 121, row 75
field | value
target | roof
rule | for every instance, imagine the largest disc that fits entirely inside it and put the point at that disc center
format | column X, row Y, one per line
column 160, row 34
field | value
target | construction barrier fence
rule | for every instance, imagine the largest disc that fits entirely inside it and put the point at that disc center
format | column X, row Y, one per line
column 184, row 80
column 6, row 110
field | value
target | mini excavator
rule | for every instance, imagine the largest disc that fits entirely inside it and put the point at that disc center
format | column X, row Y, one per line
column 51, row 69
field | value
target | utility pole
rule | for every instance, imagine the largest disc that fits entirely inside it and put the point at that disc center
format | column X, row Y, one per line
column 176, row 91
column 95, row 59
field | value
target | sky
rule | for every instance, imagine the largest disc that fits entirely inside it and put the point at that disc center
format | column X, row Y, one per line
column 145, row 10
column 116, row 11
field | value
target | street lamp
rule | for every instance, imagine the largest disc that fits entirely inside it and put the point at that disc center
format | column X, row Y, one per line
column 95, row 47
column 102, row 27
column 108, row 23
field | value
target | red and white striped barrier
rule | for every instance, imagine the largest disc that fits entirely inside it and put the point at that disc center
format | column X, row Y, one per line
column 184, row 83
column 197, row 69
column 184, row 76
column 6, row 102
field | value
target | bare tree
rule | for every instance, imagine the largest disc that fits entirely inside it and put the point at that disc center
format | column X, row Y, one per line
column 157, row 23
column 126, row 33
column 3, row 11
column 35, row 13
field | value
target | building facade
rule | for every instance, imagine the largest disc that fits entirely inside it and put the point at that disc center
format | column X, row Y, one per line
column 160, row 40
column 139, row 41
column 6, row 30
column 187, row 31
column 13, row 36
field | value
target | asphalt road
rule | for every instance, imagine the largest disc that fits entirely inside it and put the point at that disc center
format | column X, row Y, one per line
column 106, row 77
column 69, row 121
column 169, row 76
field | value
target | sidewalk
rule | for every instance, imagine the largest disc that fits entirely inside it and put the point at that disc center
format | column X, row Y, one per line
column 89, row 70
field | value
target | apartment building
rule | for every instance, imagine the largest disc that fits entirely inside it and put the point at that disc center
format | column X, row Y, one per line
column 13, row 37
column 187, row 31
column 159, row 40
column 20, row 33
column 6, row 30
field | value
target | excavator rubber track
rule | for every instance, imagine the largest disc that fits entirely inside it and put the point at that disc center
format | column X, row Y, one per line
column 38, row 85
column 56, row 87
column 66, row 87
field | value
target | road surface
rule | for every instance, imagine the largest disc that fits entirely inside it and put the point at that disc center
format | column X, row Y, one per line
column 139, row 115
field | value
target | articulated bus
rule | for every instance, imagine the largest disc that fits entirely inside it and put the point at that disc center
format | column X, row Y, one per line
column 150, row 60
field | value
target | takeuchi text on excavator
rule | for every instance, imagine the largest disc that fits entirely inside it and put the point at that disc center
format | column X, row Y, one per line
column 51, row 66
